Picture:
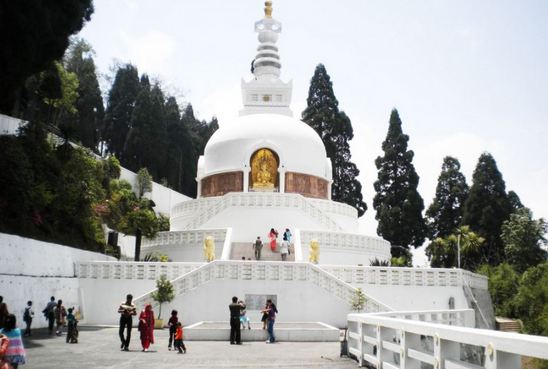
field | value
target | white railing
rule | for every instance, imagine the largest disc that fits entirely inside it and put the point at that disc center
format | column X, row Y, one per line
column 184, row 238
column 388, row 342
column 374, row 246
column 191, row 216
column 458, row 317
column 266, row 270
column 334, row 207
column 10, row 125
column 132, row 270
column 395, row 276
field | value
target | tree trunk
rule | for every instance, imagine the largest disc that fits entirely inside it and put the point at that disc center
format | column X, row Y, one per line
column 138, row 237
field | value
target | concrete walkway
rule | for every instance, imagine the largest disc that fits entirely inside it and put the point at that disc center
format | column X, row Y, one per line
column 99, row 348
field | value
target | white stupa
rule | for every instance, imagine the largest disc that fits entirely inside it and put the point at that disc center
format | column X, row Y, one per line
column 267, row 169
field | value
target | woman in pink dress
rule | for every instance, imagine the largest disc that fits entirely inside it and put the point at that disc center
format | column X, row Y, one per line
column 146, row 327
column 272, row 235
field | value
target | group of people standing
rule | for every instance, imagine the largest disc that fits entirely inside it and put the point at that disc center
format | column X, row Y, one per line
column 237, row 310
column 273, row 243
column 127, row 311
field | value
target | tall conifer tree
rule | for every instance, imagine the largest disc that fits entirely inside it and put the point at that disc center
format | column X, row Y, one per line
column 487, row 207
column 89, row 103
column 119, row 112
column 335, row 130
column 398, row 204
column 444, row 215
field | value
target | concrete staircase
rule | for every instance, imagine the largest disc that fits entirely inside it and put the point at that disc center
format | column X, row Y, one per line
column 508, row 325
column 245, row 249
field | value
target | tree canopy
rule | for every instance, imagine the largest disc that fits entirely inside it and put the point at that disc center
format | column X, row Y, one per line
column 398, row 204
column 34, row 33
column 487, row 207
column 335, row 129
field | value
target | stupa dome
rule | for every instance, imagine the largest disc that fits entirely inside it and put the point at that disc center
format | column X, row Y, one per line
column 297, row 145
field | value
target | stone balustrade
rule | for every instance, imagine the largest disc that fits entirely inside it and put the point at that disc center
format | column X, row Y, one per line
column 438, row 277
column 192, row 214
column 117, row 270
column 182, row 238
column 388, row 341
column 266, row 270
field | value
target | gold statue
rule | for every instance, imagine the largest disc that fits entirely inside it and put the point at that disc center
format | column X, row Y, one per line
column 209, row 248
column 314, row 251
column 268, row 9
column 264, row 169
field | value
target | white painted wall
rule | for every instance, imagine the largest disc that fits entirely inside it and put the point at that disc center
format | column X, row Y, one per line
column 248, row 223
column 416, row 297
column 297, row 300
column 10, row 125
column 36, row 270
column 25, row 256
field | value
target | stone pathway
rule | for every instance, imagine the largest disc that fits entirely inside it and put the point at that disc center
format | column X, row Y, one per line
column 99, row 348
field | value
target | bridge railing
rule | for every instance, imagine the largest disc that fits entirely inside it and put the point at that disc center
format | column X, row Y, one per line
column 387, row 340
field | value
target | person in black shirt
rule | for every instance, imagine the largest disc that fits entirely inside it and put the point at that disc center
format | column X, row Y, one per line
column 127, row 311
column 235, row 309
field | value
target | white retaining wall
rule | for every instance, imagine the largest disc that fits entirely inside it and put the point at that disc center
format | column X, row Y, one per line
column 36, row 270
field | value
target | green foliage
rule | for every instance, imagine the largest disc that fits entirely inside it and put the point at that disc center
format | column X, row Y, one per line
column 164, row 292
column 504, row 283
column 381, row 263
column 34, row 34
column 444, row 215
column 335, row 130
column 487, row 207
column 144, row 182
column 443, row 252
column 51, row 193
column 402, row 261
column 121, row 101
column 523, row 238
column 358, row 301
column 531, row 300
column 89, row 104
column 398, row 204
column 155, row 257
column 65, row 104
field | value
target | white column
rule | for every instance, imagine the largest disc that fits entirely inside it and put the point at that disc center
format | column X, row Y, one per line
column 246, row 178
column 282, row 179
column 199, row 190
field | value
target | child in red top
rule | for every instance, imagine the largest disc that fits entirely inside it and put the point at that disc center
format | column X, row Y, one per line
column 179, row 344
column 172, row 324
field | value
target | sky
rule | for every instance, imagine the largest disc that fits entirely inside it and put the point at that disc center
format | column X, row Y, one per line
column 466, row 76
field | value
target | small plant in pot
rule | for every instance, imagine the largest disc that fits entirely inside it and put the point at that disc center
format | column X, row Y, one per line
column 164, row 293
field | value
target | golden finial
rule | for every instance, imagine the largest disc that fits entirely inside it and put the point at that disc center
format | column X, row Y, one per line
column 268, row 9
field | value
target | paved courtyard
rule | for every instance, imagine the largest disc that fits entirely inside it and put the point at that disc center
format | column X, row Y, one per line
column 99, row 348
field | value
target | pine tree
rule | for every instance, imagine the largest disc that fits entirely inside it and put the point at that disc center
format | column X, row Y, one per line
column 121, row 102
column 89, row 103
column 487, row 207
column 398, row 204
column 444, row 215
column 335, row 129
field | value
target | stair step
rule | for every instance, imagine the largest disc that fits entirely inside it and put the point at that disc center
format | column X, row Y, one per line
column 245, row 249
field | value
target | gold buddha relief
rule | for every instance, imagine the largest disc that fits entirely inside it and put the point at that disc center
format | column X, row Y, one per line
column 264, row 169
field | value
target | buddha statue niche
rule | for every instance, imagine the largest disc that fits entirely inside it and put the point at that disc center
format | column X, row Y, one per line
column 264, row 168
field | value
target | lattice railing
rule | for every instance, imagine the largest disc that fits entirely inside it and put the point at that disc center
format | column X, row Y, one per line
column 392, row 276
column 182, row 238
column 197, row 212
column 340, row 241
column 132, row 270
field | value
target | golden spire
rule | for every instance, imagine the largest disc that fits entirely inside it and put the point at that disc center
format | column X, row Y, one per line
column 268, row 9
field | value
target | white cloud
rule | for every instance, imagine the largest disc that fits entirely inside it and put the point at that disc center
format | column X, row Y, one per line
column 152, row 53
